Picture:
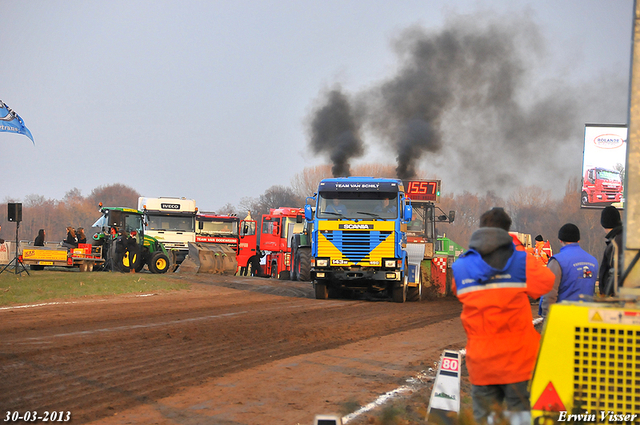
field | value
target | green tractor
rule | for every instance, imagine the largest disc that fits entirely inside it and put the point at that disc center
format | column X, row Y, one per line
column 124, row 243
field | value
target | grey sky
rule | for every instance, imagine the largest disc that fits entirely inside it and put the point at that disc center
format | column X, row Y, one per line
column 211, row 99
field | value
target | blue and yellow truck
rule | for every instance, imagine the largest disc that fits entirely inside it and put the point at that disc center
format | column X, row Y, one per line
column 358, row 242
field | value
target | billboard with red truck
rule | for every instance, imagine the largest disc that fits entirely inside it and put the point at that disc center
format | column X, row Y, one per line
column 601, row 186
column 604, row 156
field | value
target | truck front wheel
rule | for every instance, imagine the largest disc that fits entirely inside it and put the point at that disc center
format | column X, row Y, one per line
column 158, row 263
column 584, row 198
column 321, row 291
column 400, row 291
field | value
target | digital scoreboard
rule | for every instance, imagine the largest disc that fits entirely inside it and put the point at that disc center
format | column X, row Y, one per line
column 422, row 190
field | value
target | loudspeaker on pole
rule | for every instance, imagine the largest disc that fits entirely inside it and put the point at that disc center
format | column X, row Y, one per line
column 15, row 212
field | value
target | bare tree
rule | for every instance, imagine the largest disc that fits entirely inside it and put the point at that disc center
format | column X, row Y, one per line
column 306, row 182
column 115, row 195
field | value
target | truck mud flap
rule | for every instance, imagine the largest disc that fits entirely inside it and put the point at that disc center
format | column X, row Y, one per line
column 209, row 258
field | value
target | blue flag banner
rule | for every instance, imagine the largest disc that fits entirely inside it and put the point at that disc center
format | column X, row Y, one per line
column 11, row 122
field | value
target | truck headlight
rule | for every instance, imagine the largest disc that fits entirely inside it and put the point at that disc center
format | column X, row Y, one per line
column 322, row 262
column 390, row 263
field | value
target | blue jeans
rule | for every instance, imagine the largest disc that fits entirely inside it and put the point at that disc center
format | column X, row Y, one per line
column 486, row 397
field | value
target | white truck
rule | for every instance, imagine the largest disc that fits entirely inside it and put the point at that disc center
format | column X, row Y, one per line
column 172, row 221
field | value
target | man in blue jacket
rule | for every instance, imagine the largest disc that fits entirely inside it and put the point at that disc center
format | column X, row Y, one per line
column 576, row 270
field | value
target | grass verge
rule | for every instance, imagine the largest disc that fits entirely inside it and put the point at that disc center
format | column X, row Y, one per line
column 68, row 284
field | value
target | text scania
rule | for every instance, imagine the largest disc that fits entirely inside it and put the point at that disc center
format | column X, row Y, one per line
column 356, row 226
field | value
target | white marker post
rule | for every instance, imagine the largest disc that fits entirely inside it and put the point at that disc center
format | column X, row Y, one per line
column 445, row 395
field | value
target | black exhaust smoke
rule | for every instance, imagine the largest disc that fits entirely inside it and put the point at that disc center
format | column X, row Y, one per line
column 335, row 132
column 470, row 95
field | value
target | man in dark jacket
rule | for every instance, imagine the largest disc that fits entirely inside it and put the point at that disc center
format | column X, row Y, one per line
column 612, row 224
column 254, row 260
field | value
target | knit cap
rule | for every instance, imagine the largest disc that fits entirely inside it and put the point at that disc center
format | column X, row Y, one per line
column 569, row 233
column 610, row 217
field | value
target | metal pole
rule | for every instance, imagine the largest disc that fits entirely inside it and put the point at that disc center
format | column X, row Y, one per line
column 631, row 245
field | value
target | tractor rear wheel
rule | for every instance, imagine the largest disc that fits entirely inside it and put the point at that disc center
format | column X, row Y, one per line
column 304, row 264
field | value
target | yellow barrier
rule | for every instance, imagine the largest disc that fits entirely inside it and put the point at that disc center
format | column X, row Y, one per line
column 588, row 368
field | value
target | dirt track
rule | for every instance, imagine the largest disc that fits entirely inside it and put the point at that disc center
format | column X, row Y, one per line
column 229, row 351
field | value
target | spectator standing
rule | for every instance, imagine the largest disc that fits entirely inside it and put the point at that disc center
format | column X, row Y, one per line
column 575, row 270
column 539, row 250
column 494, row 280
column 612, row 224
column 254, row 260
column 39, row 241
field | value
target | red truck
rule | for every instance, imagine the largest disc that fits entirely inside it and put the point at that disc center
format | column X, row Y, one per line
column 229, row 230
column 278, row 227
column 601, row 186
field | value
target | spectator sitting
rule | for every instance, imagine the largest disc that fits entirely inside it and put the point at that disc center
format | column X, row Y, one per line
column 40, row 238
column 70, row 242
column 81, row 237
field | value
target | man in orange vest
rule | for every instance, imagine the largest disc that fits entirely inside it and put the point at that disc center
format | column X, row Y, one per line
column 494, row 280
column 539, row 250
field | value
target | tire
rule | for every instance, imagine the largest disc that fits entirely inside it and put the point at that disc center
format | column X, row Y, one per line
column 84, row 267
column 36, row 267
column 274, row 270
column 304, row 264
column 158, row 263
column 400, row 292
column 132, row 257
column 295, row 265
column 284, row 275
column 584, row 198
column 415, row 293
column 321, row 291
column 334, row 293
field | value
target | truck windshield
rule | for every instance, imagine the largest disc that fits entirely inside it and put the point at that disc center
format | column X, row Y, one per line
column 170, row 223
column 291, row 227
column 357, row 205
column 609, row 175
column 217, row 228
